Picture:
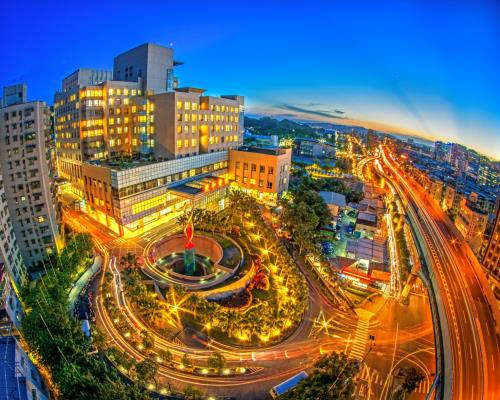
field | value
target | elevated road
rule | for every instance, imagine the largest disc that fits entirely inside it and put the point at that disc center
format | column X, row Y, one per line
column 469, row 320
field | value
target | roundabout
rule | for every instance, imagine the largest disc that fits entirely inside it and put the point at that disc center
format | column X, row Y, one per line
column 242, row 315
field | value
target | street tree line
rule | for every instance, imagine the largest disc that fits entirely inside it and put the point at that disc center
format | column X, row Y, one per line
column 56, row 340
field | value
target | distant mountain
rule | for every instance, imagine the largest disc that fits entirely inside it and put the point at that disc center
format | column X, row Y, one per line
column 282, row 128
column 297, row 128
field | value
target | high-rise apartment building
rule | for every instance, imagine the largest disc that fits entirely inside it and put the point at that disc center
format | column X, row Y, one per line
column 137, row 148
column 14, row 94
column 10, row 256
column 28, row 175
column 491, row 259
column 459, row 157
column 442, row 151
column 12, row 270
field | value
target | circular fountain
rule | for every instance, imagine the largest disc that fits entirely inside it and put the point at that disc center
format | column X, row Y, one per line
column 196, row 263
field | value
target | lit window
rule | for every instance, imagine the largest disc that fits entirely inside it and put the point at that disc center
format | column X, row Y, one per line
column 179, row 105
column 179, row 144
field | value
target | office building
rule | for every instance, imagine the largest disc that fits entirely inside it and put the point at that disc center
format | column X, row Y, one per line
column 263, row 172
column 189, row 123
column 28, row 175
column 137, row 149
column 308, row 147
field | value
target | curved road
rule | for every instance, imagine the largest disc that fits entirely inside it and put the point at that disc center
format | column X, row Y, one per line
column 470, row 324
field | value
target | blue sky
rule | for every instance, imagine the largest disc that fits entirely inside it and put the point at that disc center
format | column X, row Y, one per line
column 424, row 67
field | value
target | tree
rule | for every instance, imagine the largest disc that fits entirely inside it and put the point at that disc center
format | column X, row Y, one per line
column 301, row 222
column 148, row 340
column 192, row 393
column 147, row 370
column 216, row 360
column 187, row 361
column 58, row 341
column 412, row 378
column 166, row 355
column 130, row 260
column 331, row 379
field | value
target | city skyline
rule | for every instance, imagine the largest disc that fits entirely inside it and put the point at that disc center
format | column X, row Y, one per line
column 328, row 63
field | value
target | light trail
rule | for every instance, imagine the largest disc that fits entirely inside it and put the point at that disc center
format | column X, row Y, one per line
column 461, row 285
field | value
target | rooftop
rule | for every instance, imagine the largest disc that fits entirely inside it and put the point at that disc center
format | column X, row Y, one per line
column 189, row 89
column 196, row 187
column 333, row 198
column 269, row 150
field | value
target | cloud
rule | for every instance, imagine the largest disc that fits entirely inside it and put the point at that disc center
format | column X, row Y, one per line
column 315, row 112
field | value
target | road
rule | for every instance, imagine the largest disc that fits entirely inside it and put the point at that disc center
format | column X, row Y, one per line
column 468, row 315
column 265, row 366
column 269, row 365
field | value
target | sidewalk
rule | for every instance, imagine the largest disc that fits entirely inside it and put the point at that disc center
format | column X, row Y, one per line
column 82, row 282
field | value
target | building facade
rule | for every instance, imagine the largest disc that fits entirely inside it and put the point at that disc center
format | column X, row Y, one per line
column 491, row 259
column 20, row 378
column 137, row 148
column 263, row 172
column 309, row 147
column 189, row 123
column 471, row 222
column 29, row 181
column 128, row 196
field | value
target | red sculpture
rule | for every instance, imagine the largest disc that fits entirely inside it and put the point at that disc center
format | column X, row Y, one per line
column 189, row 233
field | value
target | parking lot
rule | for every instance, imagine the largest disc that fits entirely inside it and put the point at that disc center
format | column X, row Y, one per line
column 334, row 243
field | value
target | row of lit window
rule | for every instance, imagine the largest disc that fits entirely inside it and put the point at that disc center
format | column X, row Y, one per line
column 214, row 128
column 215, row 139
column 188, row 105
column 186, row 117
column 88, row 123
column 92, row 133
column 94, row 103
column 125, row 92
column 194, row 142
column 253, row 182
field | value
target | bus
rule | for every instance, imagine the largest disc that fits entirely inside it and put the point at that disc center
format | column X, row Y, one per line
column 287, row 385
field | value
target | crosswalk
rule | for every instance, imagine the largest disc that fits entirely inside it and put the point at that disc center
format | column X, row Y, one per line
column 371, row 381
column 360, row 339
